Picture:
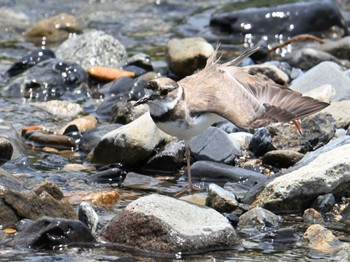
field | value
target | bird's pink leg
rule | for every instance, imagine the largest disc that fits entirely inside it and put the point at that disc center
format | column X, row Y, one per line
column 297, row 124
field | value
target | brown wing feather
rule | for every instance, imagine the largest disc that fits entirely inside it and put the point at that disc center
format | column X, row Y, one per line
column 245, row 100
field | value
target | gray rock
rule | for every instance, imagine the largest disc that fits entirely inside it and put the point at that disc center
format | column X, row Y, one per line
column 17, row 202
column 241, row 140
column 324, row 203
column 125, row 112
column 282, row 158
column 345, row 215
column 268, row 72
column 207, row 171
column 261, row 142
column 214, row 145
column 324, row 73
column 92, row 48
column 163, row 224
column 131, row 144
column 323, row 93
column 340, row 111
column 238, row 189
column 88, row 216
column 259, row 218
column 339, row 48
column 318, row 130
column 220, row 199
column 52, row 233
column 6, row 150
column 307, row 58
column 185, row 56
column 319, row 173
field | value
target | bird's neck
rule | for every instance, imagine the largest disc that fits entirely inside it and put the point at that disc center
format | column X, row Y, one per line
column 159, row 107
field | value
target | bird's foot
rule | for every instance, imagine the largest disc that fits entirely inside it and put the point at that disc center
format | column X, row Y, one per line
column 189, row 189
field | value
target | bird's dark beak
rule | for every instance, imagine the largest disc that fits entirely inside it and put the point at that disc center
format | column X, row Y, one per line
column 142, row 100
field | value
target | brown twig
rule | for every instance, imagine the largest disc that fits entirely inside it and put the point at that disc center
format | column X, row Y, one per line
column 297, row 38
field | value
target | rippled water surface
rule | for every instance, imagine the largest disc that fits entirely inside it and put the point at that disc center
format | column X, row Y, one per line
column 142, row 26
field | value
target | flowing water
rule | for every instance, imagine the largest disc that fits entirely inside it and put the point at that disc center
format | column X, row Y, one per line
column 142, row 26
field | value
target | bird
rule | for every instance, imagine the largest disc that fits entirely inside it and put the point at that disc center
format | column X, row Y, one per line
column 187, row 107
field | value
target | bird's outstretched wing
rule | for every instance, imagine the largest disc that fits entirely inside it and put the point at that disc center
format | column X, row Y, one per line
column 243, row 99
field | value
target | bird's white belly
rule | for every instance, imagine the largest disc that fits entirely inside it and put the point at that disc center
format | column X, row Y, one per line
column 187, row 131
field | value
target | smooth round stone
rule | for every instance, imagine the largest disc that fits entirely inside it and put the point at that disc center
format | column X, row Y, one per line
column 259, row 218
column 311, row 216
column 281, row 158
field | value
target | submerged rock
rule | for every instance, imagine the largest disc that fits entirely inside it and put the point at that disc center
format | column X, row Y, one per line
column 52, row 233
column 162, row 224
column 259, row 218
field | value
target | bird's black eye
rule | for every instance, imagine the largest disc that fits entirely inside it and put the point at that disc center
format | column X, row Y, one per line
column 164, row 92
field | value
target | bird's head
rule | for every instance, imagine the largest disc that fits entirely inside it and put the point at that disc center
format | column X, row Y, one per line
column 162, row 95
column 159, row 90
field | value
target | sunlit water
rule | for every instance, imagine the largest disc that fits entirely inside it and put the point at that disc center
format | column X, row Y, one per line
column 142, row 26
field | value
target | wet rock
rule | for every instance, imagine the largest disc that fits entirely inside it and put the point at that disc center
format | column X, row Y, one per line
column 324, row 203
column 220, row 199
column 51, row 189
column 17, row 202
column 106, row 74
column 111, row 174
column 55, row 28
column 6, row 150
column 88, row 216
column 324, row 73
column 339, row 110
column 8, row 132
column 307, row 58
column 319, row 238
column 268, row 72
column 38, row 139
column 168, row 159
column 296, row 18
column 30, row 60
column 131, row 144
column 208, row 170
column 162, row 224
column 259, row 218
column 83, row 124
column 48, row 80
column 103, row 198
column 185, row 56
column 214, row 145
column 311, row 216
column 58, row 108
column 141, row 60
column 51, row 233
column 92, row 48
column 283, row 158
column 78, row 168
column 261, row 142
column 318, row 130
column 91, row 138
column 320, row 172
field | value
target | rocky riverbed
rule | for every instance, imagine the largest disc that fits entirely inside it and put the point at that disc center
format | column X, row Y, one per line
column 87, row 176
